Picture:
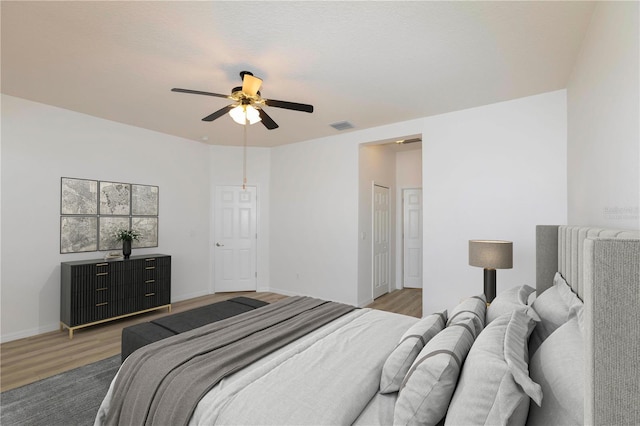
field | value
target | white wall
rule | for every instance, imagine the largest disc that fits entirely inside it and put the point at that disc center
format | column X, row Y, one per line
column 492, row 172
column 314, row 219
column 408, row 175
column 226, row 169
column 377, row 165
column 409, row 168
column 603, row 121
column 489, row 172
column 40, row 144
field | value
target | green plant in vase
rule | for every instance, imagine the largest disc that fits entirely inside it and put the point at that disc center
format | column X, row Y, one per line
column 127, row 236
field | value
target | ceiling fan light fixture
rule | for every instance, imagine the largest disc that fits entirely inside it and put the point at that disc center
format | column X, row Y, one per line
column 243, row 113
column 252, row 115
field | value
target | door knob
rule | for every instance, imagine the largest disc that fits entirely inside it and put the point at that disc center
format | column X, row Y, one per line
column 219, row 245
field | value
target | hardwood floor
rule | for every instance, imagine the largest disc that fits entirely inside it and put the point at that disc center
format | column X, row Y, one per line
column 407, row 301
column 34, row 358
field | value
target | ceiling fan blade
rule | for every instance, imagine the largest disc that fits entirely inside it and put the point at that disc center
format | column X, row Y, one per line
column 198, row 92
column 289, row 105
column 267, row 121
column 219, row 113
column 250, row 84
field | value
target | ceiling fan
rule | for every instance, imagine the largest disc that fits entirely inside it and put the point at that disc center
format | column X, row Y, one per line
column 248, row 104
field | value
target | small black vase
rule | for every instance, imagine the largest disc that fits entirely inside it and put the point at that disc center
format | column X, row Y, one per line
column 126, row 248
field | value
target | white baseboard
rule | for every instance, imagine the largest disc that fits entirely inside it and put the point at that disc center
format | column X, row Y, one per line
column 365, row 303
column 56, row 326
column 283, row 292
column 29, row 332
column 181, row 297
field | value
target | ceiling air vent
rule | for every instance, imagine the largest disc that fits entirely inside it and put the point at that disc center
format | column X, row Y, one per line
column 342, row 125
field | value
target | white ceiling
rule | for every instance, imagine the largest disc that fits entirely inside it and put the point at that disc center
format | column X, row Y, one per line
column 369, row 63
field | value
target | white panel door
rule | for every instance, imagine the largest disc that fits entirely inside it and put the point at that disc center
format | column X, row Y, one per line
column 381, row 246
column 412, row 237
column 235, row 239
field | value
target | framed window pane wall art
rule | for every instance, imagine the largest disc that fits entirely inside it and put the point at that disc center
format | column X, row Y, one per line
column 92, row 211
column 78, row 234
column 144, row 200
column 115, row 198
column 78, row 197
column 148, row 227
column 108, row 226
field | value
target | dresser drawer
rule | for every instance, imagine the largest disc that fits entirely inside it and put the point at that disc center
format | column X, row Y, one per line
column 97, row 312
column 96, row 291
column 155, row 268
column 154, row 298
column 90, row 283
column 92, row 297
column 85, row 277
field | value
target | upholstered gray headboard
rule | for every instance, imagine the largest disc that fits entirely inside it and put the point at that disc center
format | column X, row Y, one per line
column 603, row 268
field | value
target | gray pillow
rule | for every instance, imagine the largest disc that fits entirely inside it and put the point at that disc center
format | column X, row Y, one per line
column 411, row 343
column 510, row 300
column 558, row 367
column 494, row 386
column 474, row 307
column 427, row 389
column 554, row 307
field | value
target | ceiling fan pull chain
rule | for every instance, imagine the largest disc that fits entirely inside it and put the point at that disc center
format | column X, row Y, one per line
column 244, row 155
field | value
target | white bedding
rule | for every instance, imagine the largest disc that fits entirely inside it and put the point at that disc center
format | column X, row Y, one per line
column 326, row 377
column 379, row 411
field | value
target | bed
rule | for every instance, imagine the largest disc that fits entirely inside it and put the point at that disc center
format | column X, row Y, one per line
column 466, row 365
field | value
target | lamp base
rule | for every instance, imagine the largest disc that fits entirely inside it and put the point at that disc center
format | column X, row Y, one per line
column 490, row 284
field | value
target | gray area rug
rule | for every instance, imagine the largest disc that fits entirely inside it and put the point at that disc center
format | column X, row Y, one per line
column 70, row 398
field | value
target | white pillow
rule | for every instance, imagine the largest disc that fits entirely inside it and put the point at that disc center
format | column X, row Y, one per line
column 510, row 300
column 474, row 307
column 411, row 343
column 554, row 307
column 495, row 387
column 427, row 389
column 558, row 367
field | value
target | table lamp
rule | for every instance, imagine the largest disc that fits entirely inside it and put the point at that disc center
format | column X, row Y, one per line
column 490, row 255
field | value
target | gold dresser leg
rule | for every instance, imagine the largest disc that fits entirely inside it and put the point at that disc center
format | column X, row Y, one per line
column 63, row 325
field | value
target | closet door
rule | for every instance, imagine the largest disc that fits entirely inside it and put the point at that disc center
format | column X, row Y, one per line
column 381, row 246
column 412, row 237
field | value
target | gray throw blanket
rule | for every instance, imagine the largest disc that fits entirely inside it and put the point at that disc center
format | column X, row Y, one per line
column 163, row 382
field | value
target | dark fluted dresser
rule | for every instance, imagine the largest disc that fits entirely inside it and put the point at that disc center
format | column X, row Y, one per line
column 96, row 291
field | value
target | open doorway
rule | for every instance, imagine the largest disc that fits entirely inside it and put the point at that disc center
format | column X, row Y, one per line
column 399, row 167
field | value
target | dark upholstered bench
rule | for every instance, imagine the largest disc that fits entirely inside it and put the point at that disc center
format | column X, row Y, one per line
column 139, row 335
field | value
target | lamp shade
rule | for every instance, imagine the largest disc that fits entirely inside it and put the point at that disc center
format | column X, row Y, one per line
column 491, row 254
